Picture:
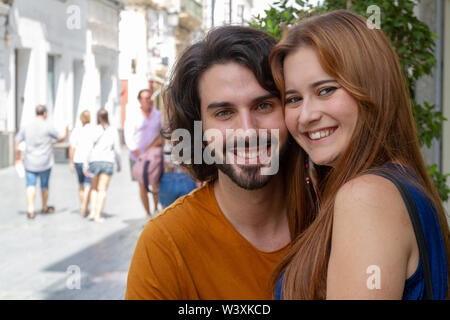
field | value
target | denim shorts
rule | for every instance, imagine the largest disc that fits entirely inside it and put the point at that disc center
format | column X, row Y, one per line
column 82, row 179
column 31, row 178
column 174, row 185
column 98, row 167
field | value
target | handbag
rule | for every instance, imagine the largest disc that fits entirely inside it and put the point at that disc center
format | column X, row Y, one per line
column 418, row 231
column 149, row 167
column 20, row 169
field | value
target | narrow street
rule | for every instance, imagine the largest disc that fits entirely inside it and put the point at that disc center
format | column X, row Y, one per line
column 63, row 255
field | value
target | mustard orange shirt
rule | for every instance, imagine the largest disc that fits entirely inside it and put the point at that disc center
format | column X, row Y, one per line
column 191, row 251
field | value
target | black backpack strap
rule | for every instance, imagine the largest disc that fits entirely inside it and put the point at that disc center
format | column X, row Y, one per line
column 145, row 175
column 417, row 225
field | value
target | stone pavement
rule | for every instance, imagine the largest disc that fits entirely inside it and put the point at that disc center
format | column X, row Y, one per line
column 63, row 255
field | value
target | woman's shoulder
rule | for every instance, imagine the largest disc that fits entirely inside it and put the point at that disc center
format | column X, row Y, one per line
column 371, row 226
column 370, row 197
column 368, row 187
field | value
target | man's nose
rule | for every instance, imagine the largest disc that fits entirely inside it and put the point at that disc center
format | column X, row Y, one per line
column 247, row 121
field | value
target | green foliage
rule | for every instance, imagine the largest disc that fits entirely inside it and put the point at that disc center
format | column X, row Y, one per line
column 430, row 121
column 411, row 39
column 440, row 181
column 281, row 15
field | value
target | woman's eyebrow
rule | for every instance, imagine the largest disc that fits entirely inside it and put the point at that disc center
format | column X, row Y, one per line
column 318, row 83
column 290, row 91
column 312, row 85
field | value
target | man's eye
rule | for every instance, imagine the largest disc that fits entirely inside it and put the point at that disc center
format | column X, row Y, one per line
column 326, row 91
column 264, row 106
column 223, row 113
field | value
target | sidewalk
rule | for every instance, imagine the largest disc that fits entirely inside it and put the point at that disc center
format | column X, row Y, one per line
column 63, row 255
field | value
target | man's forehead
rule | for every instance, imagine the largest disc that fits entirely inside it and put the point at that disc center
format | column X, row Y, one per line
column 229, row 83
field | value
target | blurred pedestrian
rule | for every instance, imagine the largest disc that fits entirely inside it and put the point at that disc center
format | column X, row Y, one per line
column 104, row 151
column 78, row 154
column 38, row 160
column 142, row 132
column 175, row 181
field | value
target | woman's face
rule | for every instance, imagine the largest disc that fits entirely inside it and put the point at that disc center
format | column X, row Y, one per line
column 319, row 114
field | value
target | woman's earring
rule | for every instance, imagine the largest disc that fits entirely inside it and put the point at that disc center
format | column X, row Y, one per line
column 307, row 179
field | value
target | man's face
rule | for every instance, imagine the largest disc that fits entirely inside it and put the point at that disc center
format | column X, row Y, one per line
column 232, row 100
column 146, row 101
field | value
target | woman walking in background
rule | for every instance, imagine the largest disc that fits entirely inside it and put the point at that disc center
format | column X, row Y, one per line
column 104, row 152
column 347, row 106
column 78, row 153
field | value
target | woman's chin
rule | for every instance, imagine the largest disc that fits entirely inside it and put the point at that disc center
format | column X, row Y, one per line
column 322, row 161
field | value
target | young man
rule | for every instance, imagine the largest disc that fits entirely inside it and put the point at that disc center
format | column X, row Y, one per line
column 222, row 241
column 141, row 132
column 39, row 136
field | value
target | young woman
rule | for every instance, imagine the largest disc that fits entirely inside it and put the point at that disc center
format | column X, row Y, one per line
column 104, row 152
column 347, row 106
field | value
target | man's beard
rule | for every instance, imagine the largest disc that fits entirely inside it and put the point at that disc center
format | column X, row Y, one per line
column 248, row 176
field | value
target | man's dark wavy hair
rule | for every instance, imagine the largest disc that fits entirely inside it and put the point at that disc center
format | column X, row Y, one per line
column 243, row 45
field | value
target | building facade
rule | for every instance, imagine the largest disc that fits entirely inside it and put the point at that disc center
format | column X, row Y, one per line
column 152, row 34
column 223, row 12
column 6, row 141
column 60, row 53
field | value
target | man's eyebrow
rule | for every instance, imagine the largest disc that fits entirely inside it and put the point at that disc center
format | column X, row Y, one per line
column 224, row 104
column 216, row 105
column 263, row 98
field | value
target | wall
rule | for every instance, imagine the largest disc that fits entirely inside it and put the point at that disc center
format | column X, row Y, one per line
column 81, row 36
column 446, row 97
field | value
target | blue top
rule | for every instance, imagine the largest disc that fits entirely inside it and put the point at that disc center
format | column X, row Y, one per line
column 415, row 285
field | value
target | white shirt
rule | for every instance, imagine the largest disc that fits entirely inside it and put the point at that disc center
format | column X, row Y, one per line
column 80, row 141
column 104, row 145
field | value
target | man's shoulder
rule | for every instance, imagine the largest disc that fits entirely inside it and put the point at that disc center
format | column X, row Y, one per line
column 33, row 124
column 196, row 202
column 187, row 213
column 47, row 125
column 40, row 126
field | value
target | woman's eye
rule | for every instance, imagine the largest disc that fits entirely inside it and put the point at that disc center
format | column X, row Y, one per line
column 292, row 100
column 326, row 91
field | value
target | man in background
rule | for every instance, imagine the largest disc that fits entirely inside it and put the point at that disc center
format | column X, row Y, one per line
column 142, row 132
column 39, row 136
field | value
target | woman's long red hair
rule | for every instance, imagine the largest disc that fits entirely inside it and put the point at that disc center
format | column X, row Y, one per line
column 365, row 65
